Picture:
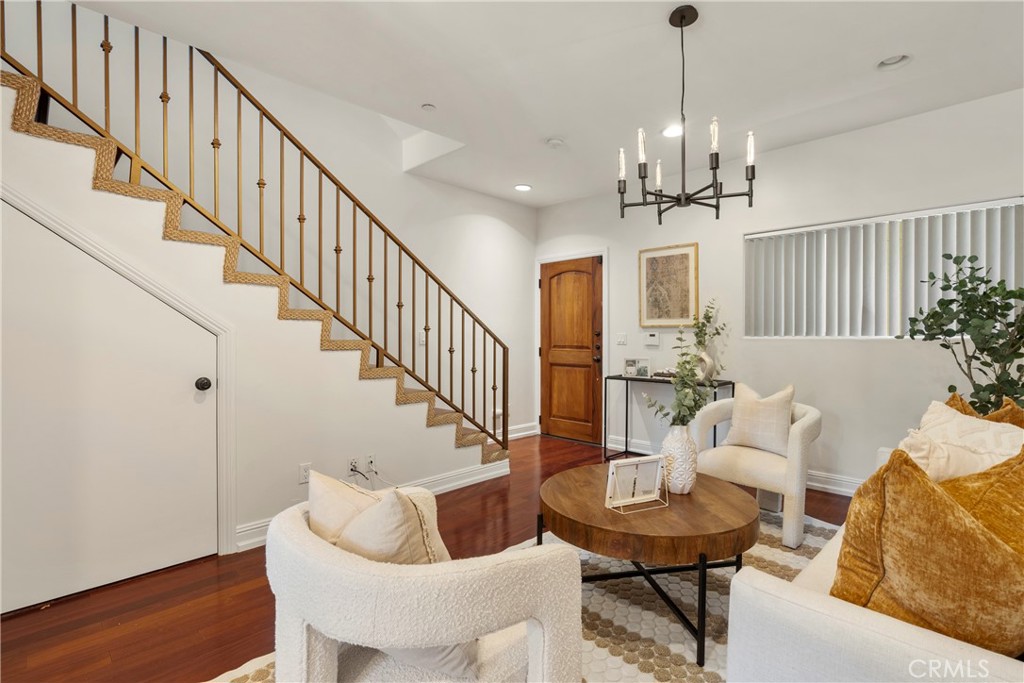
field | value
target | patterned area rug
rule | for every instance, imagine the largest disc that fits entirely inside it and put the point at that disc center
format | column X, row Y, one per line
column 628, row 632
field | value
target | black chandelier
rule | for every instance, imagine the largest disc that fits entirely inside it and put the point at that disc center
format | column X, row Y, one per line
column 711, row 194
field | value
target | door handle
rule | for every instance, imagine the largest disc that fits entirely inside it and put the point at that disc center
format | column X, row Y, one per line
column 203, row 383
column 597, row 359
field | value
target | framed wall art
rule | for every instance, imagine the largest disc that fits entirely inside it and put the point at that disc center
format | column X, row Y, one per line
column 668, row 285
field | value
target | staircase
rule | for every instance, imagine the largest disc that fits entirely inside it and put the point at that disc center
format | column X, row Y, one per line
column 380, row 300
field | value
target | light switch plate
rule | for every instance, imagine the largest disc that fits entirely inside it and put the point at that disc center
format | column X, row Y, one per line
column 652, row 340
column 620, row 339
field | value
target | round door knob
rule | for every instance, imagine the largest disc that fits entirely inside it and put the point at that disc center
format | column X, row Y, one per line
column 203, row 383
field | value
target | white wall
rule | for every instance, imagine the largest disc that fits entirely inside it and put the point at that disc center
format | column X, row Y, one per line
column 294, row 403
column 870, row 391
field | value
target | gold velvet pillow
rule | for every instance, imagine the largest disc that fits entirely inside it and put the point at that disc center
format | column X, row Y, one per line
column 945, row 557
column 1008, row 413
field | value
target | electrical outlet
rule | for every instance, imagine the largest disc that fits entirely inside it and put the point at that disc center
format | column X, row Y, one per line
column 369, row 464
column 304, row 472
column 423, row 338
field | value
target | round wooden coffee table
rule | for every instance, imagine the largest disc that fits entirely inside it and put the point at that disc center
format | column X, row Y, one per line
column 696, row 532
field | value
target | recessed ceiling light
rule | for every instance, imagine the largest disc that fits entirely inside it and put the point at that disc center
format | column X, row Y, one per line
column 522, row 187
column 894, row 62
column 427, row 106
column 673, row 131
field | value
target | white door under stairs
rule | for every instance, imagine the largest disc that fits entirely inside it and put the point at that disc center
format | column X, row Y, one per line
column 109, row 450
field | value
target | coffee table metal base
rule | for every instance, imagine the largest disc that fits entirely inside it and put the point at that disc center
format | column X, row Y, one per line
column 698, row 630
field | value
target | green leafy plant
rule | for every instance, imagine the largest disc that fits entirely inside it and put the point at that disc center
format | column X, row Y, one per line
column 689, row 396
column 706, row 328
column 982, row 325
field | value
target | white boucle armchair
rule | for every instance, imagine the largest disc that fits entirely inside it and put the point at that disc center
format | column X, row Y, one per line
column 335, row 610
column 786, row 475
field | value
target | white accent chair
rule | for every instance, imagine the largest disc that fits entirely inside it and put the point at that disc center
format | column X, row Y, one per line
column 335, row 610
column 785, row 475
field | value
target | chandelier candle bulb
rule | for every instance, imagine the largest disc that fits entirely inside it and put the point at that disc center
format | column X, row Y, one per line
column 641, row 145
column 714, row 135
column 657, row 175
column 622, row 164
column 750, row 148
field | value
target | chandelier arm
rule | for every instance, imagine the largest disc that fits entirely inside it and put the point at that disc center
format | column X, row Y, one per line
column 701, row 203
column 662, row 195
column 735, row 194
column 695, row 193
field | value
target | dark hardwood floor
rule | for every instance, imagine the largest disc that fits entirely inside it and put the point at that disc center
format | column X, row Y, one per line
column 197, row 620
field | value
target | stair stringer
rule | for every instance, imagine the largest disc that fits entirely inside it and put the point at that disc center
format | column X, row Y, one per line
column 28, row 90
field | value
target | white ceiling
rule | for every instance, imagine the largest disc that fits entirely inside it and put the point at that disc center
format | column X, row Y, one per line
column 505, row 76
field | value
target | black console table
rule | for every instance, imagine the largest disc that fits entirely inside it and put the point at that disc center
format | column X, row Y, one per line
column 718, row 384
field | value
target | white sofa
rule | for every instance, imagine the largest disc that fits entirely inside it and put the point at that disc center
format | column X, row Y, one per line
column 782, row 631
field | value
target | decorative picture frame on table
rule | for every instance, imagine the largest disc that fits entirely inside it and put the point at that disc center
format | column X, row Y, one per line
column 637, row 367
column 639, row 482
column 669, row 280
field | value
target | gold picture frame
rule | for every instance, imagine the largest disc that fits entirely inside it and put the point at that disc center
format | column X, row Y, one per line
column 669, row 282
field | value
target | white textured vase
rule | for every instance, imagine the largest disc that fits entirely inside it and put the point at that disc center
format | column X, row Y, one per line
column 680, row 453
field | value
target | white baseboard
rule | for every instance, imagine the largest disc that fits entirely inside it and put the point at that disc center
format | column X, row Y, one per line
column 251, row 535
column 449, row 481
column 617, row 443
column 519, row 431
column 832, row 483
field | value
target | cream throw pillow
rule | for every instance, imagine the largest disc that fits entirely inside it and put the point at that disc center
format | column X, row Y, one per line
column 761, row 423
column 333, row 504
column 942, row 461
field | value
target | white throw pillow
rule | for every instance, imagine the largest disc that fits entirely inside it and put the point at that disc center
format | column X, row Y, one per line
column 942, row 461
column 333, row 504
column 390, row 531
column 950, row 444
column 948, row 426
column 761, row 423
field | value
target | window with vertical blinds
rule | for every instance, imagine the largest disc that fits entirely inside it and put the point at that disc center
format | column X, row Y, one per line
column 865, row 278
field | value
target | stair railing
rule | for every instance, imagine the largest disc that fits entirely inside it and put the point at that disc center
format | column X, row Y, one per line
column 256, row 181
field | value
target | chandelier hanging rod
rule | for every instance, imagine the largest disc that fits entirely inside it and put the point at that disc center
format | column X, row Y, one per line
column 709, row 195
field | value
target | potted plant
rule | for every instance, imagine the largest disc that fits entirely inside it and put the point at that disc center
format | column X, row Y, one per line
column 982, row 326
column 679, row 449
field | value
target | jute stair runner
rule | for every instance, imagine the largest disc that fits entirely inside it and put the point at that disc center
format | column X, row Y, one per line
column 25, row 105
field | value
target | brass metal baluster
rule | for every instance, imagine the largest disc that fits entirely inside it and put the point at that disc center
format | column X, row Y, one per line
column 462, row 395
column 400, row 306
column 483, row 379
column 320, row 235
column 384, row 308
column 337, row 247
column 238, row 143
column 355, row 288
column 261, row 183
column 74, row 51
column 413, row 328
column 165, row 98
column 106, row 47
column 39, row 40
column 494, row 383
column 302, row 218
column 281, row 182
column 216, row 146
column 191, row 129
column 439, row 376
column 473, row 371
column 426, row 326
column 451, row 348
column 369, row 279
column 138, row 125
column 504, row 397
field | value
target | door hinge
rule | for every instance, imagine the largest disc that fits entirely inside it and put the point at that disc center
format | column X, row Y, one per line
column 538, row 419
column 539, row 351
column 538, row 283
column 600, row 260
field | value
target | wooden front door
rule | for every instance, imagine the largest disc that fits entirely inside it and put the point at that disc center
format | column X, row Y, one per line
column 571, row 349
